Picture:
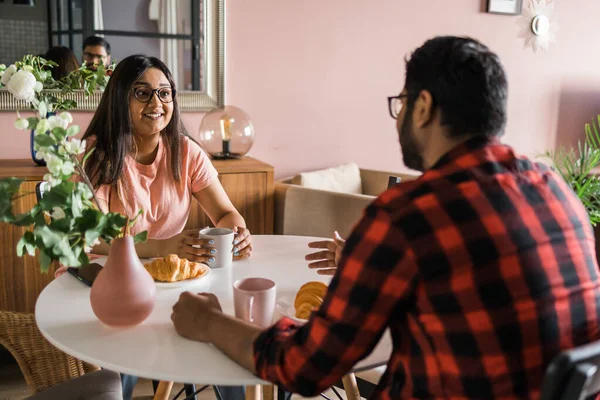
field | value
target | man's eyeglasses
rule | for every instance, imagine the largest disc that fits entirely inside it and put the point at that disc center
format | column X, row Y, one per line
column 144, row 94
column 93, row 57
column 395, row 104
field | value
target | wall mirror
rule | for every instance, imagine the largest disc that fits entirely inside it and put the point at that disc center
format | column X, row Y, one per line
column 188, row 35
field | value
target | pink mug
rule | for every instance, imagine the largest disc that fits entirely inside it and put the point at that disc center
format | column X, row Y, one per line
column 254, row 300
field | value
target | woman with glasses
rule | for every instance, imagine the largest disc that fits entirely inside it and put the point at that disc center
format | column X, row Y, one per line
column 144, row 159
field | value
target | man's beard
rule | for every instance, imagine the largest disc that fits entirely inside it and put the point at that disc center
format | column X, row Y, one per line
column 410, row 150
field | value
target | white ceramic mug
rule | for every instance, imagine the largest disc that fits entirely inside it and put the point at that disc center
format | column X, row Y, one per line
column 223, row 238
column 254, row 300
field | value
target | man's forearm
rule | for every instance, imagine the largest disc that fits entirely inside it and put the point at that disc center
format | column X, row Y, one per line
column 235, row 338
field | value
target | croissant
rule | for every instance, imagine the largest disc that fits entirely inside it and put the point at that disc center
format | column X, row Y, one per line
column 309, row 298
column 173, row 269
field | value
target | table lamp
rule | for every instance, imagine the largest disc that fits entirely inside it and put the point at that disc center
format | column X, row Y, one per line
column 226, row 133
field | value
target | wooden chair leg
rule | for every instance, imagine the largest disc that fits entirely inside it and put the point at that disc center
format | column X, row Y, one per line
column 253, row 392
column 163, row 391
column 351, row 387
column 268, row 392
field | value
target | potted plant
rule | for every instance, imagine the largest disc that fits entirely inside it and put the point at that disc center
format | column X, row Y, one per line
column 578, row 167
column 68, row 221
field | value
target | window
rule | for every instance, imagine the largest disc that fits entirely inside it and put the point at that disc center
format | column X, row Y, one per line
column 135, row 27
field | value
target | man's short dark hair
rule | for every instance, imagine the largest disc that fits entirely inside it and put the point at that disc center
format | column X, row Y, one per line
column 467, row 82
column 96, row 41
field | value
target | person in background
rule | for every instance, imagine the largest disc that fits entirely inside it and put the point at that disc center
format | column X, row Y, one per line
column 96, row 51
column 483, row 268
column 65, row 58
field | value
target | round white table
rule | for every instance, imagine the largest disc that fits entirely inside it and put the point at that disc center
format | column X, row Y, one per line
column 153, row 349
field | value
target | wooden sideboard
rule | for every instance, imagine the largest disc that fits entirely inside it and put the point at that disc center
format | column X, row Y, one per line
column 247, row 181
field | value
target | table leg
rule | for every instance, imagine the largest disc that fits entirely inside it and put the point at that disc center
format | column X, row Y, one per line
column 253, row 392
column 163, row 390
column 351, row 387
column 268, row 392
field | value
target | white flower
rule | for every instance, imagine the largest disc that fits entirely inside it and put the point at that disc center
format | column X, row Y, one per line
column 38, row 87
column 8, row 74
column 68, row 168
column 88, row 248
column 82, row 147
column 52, row 181
column 55, row 165
column 21, row 124
column 2, row 66
column 22, row 85
column 87, row 192
column 42, row 127
column 41, row 155
column 42, row 108
column 58, row 213
column 76, row 206
column 66, row 116
column 75, row 146
column 57, row 122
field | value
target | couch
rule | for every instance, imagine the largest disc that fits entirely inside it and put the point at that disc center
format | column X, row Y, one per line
column 309, row 211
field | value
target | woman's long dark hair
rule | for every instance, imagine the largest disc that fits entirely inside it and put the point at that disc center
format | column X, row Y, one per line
column 65, row 58
column 111, row 129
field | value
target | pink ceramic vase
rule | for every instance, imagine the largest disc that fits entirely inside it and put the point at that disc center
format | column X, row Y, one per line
column 123, row 293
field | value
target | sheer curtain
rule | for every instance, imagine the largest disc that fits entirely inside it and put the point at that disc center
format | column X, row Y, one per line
column 98, row 18
column 167, row 23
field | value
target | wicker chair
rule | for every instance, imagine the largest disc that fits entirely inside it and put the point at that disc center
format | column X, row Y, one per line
column 42, row 364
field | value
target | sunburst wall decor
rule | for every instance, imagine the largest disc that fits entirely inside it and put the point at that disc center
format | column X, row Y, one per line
column 538, row 25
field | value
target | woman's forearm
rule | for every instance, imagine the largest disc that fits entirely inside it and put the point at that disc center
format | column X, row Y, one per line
column 231, row 219
column 159, row 248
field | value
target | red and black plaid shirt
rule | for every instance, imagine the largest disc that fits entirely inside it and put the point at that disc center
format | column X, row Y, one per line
column 483, row 269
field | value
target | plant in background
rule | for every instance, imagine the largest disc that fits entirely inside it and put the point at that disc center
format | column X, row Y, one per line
column 31, row 80
column 67, row 221
column 576, row 166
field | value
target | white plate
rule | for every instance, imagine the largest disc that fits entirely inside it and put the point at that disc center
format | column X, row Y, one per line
column 178, row 284
column 285, row 305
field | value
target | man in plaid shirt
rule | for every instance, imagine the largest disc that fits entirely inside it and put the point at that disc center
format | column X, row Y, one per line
column 483, row 269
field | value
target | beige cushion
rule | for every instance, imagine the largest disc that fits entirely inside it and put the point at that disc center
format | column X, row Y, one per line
column 344, row 178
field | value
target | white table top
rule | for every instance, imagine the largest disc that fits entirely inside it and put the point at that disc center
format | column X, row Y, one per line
column 153, row 349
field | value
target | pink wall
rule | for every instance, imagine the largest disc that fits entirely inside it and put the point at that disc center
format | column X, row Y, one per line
column 314, row 76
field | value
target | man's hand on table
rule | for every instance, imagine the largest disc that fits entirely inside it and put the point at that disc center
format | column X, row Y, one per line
column 199, row 317
column 192, row 314
column 326, row 261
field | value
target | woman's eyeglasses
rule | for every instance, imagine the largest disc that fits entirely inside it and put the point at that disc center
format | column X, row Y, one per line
column 395, row 104
column 144, row 94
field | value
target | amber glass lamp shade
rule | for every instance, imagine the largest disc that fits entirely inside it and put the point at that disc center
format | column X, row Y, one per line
column 226, row 133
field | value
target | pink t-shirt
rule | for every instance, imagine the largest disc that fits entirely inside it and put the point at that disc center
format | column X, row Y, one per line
column 165, row 203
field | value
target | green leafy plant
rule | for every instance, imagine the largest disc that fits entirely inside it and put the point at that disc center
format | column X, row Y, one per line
column 576, row 166
column 65, row 224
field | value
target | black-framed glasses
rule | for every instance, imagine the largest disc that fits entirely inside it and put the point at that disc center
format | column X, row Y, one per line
column 144, row 94
column 94, row 57
column 395, row 104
